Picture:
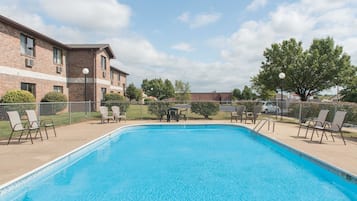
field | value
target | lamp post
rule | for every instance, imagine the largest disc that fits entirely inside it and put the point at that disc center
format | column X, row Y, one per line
column 282, row 77
column 85, row 72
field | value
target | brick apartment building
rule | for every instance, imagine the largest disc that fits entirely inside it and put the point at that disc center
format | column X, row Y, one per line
column 34, row 62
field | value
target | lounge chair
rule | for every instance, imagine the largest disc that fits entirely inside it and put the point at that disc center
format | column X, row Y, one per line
column 334, row 126
column 17, row 126
column 105, row 116
column 118, row 116
column 238, row 113
column 311, row 123
column 34, row 122
column 254, row 114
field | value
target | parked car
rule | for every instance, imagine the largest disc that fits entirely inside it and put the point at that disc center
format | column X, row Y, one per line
column 270, row 107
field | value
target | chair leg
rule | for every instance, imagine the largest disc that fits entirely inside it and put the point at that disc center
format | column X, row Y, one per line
column 312, row 134
column 344, row 142
column 38, row 131
column 8, row 142
column 46, row 132
column 54, row 130
column 29, row 133
column 322, row 136
column 22, row 132
column 299, row 131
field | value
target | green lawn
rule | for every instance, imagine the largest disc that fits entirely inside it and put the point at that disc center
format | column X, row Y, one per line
column 134, row 112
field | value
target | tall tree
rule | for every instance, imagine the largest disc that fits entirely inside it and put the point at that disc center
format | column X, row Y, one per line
column 247, row 93
column 133, row 93
column 158, row 88
column 182, row 91
column 237, row 94
column 308, row 72
column 349, row 93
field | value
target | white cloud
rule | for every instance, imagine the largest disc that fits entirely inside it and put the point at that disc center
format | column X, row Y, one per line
column 241, row 51
column 183, row 47
column 199, row 20
column 256, row 4
column 96, row 15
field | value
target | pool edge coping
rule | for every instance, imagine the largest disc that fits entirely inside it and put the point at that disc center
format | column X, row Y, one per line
column 23, row 179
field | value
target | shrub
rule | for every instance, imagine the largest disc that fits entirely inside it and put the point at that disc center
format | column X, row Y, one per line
column 19, row 96
column 205, row 108
column 114, row 99
column 158, row 108
column 56, row 98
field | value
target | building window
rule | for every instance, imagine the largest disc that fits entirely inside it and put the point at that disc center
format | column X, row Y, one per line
column 27, row 45
column 119, row 76
column 29, row 87
column 104, row 63
column 103, row 92
column 57, row 56
column 58, row 89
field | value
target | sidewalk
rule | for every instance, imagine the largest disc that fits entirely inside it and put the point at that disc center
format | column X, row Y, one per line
column 17, row 159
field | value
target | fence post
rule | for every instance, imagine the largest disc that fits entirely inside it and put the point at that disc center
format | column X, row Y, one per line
column 69, row 112
column 300, row 112
column 89, row 107
column 39, row 110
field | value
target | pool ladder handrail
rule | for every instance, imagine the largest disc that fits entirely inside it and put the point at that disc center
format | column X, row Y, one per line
column 262, row 122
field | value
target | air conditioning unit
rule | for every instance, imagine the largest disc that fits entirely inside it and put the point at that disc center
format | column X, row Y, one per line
column 59, row 69
column 104, row 73
column 28, row 62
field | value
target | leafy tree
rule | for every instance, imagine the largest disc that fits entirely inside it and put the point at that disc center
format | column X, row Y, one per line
column 158, row 88
column 133, row 93
column 182, row 91
column 139, row 94
column 237, row 94
column 247, row 93
column 349, row 93
column 205, row 108
column 308, row 72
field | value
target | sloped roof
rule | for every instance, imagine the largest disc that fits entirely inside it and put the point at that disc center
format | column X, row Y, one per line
column 93, row 46
column 41, row 36
column 30, row 31
column 116, row 68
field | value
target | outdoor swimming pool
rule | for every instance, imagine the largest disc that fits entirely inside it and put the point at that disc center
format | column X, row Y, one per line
column 183, row 162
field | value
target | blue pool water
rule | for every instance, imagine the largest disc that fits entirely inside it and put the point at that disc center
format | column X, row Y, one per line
column 206, row 162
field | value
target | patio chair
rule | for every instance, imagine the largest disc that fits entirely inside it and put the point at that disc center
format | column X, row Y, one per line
column 34, row 122
column 311, row 123
column 238, row 113
column 333, row 127
column 17, row 126
column 104, row 113
column 253, row 116
column 118, row 116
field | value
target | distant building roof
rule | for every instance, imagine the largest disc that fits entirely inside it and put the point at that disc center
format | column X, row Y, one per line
column 116, row 68
column 93, row 46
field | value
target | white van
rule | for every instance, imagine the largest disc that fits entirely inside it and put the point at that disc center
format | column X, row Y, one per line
column 270, row 107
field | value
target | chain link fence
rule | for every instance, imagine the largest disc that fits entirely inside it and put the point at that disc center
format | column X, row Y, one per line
column 74, row 112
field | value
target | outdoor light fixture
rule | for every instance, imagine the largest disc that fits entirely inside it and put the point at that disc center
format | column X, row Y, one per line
column 85, row 72
column 282, row 77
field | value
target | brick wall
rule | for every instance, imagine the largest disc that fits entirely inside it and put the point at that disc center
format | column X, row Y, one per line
column 13, row 70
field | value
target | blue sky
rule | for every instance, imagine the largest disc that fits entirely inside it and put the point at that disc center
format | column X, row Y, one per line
column 214, row 45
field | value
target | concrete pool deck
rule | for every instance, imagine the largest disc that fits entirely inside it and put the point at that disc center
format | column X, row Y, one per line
column 18, row 159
